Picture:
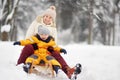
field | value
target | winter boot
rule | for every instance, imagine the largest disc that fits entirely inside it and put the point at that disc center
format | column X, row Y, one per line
column 70, row 71
column 27, row 67
column 56, row 68
column 78, row 68
column 75, row 70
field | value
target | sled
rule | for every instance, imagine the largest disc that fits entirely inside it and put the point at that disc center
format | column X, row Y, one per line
column 43, row 70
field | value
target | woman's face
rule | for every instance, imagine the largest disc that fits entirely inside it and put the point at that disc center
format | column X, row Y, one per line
column 44, row 36
column 47, row 19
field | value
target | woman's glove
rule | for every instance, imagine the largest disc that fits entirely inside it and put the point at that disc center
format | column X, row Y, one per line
column 64, row 51
column 16, row 43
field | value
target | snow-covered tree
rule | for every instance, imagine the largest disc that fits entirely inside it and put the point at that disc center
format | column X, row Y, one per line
column 8, row 12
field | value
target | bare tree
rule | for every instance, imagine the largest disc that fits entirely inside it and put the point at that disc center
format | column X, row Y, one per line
column 9, row 8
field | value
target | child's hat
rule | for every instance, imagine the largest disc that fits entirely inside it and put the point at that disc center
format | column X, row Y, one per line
column 43, row 30
column 51, row 11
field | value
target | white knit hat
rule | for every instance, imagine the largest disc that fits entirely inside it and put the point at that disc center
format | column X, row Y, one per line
column 43, row 30
column 51, row 11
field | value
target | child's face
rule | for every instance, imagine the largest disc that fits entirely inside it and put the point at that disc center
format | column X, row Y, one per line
column 47, row 19
column 44, row 36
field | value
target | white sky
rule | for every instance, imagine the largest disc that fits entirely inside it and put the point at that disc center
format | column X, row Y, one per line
column 99, row 62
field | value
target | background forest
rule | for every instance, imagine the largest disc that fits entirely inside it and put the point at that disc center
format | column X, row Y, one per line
column 78, row 21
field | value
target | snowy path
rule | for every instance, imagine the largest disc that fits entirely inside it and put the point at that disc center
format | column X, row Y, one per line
column 99, row 62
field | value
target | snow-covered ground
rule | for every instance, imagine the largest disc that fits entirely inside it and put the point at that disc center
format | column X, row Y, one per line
column 99, row 62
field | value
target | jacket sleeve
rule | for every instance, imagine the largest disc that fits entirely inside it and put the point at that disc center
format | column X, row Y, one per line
column 57, row 48
column 55, row 34
column 54, row 45
column 32, row 28
column 26, row 42
column 29, row 41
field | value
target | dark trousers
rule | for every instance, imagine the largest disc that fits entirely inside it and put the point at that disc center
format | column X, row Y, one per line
column 26, row 52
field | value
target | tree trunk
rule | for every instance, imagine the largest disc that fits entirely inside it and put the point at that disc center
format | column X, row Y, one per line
column 90, row 22
column 5, row 36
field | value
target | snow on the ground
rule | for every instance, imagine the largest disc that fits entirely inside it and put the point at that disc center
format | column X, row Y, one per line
column 98, row 62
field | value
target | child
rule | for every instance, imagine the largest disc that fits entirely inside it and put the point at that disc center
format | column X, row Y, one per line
column 41, row 41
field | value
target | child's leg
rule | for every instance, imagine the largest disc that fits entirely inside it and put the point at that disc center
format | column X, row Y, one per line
column 55, row 64
column 53, row 60
column 33, row 59
column 26, row 52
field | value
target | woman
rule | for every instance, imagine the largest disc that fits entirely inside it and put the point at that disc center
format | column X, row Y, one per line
column 47, row 19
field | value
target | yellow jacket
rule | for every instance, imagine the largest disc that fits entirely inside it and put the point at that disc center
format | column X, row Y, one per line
column 42, row 45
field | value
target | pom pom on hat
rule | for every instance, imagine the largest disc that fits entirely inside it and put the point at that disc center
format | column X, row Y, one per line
column 51, row 11
column 43, row 30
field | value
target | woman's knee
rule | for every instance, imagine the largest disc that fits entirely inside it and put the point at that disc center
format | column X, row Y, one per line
column 28, row 48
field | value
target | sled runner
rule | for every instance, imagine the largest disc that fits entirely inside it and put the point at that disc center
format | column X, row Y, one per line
column 48, row 70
